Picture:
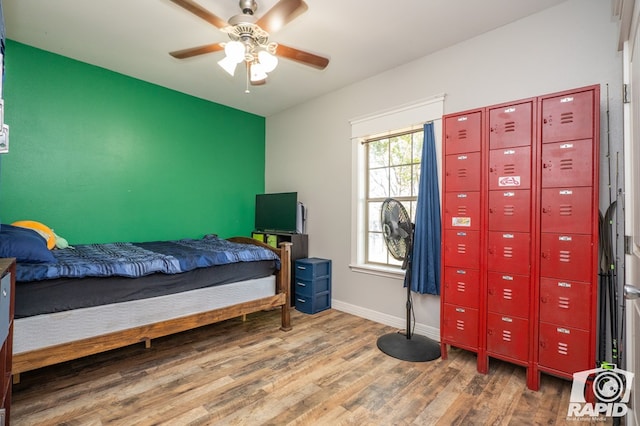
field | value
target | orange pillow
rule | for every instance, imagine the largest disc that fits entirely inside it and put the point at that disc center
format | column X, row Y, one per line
column 41, row 229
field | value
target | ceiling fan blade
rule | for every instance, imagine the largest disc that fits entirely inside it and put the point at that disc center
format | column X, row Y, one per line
column 305, row 58
column 199, row 11
column 280, row 14
column 195, row 51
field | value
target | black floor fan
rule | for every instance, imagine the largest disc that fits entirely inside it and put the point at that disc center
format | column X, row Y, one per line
column 398, row 234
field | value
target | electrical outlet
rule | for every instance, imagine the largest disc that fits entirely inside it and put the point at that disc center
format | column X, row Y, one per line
column 4, row 139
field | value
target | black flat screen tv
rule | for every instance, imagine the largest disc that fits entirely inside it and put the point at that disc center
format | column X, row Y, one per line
column 277, row 212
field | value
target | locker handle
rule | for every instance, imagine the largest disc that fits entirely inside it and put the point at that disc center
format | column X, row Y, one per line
column 543, row 299
column 491, row 292
column 546, row 210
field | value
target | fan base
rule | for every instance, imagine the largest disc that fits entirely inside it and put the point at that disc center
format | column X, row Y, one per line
column 415, row 349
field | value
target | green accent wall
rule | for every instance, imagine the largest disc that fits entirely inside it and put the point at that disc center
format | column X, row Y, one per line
column 102, row 157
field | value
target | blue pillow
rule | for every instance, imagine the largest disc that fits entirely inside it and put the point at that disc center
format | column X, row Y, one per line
column 26, row 245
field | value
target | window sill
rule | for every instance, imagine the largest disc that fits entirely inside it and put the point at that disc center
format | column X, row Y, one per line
column 380, row 271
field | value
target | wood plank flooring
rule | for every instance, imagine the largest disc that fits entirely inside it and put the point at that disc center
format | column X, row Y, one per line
column 327, row 370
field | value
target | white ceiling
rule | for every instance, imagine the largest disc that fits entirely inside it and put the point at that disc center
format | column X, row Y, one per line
column 361, row 37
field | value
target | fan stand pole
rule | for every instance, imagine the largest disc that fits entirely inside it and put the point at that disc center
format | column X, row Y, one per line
column 406, row 347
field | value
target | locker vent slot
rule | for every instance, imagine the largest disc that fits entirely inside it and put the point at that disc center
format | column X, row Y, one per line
column 461, row 287
column 566, row 164
column 506, row 335
column 507, row 294
column 563, row 303
column 460, row 325
column 508, row 252
column 462, row 173
column 566, row 117
column 510, row 126
column 462, row 134
column 509, row 210
column 509, row 169
column 462, row 249
column 462, row 210
column 565, row 256
column 563, row 348
column 565, row 210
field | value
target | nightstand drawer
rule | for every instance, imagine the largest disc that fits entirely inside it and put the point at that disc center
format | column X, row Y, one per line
column 312, row 268
column 309, row 288
column 313, row 304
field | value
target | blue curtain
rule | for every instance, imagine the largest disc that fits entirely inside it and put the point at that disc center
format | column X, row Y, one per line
column 425, row 270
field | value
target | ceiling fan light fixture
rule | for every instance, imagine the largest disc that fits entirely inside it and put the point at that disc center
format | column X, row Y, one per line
column 235, row 51
column 268, row 61
column 258, row 72
column 229, row 65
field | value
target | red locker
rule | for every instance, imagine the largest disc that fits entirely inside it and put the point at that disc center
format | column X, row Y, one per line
column 508, row 336
column 568, row 117
column 509, row 252
column 567, row 210
column 510, row 168
column 463, row 133
column 511, row 126
column 508, row 294
column 460, row 325
column 564, row 349
column 510, row 210
column 566, row 164
column 462, row 287
column 563, row 302
column 461, row 248
column 462, row 210
column 566, row 256
column 462, row 172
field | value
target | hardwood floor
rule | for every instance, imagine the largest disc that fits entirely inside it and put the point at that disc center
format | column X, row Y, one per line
column 327, row 370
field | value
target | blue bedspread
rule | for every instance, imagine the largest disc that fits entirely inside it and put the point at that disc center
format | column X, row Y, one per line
column 139, row 259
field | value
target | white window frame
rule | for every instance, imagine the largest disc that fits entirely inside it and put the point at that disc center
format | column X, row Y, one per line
column 404, row 117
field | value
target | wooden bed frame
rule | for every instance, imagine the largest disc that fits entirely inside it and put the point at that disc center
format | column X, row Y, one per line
column 68, row 351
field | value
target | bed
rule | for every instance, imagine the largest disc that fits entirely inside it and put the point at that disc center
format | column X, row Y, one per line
column 64, row 312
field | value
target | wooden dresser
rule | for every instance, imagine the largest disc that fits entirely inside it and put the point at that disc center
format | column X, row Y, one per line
column 7, row 286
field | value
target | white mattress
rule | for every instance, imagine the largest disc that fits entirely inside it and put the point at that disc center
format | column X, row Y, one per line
column 45, row 330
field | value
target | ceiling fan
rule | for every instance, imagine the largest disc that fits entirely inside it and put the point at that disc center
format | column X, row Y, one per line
column 249, row 38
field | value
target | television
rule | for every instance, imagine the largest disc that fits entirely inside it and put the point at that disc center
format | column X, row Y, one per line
column 279, row 212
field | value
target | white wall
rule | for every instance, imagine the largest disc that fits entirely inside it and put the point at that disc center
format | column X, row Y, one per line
column 308, row 148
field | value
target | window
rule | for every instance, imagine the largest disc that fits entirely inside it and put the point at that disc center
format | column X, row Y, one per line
column 386, row 155
column 392, row 170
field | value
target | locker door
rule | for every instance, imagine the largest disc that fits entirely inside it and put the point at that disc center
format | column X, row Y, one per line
column 567, row 117
column 508, row 294
column 462, row 133
column 510, row 168
column 462, row 210
column 509, row 252
column 510, row 210
column 567, row 164
column 564, row 349
column 567, row 210
column 462, row 172
column 510, row 126
column 461, row 325
column 565, row 303
column 508, row 336
column 462, row 248
column 566, row 256
column 462, row 287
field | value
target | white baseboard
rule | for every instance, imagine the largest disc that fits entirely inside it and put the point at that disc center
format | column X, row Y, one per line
column 400, row 323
